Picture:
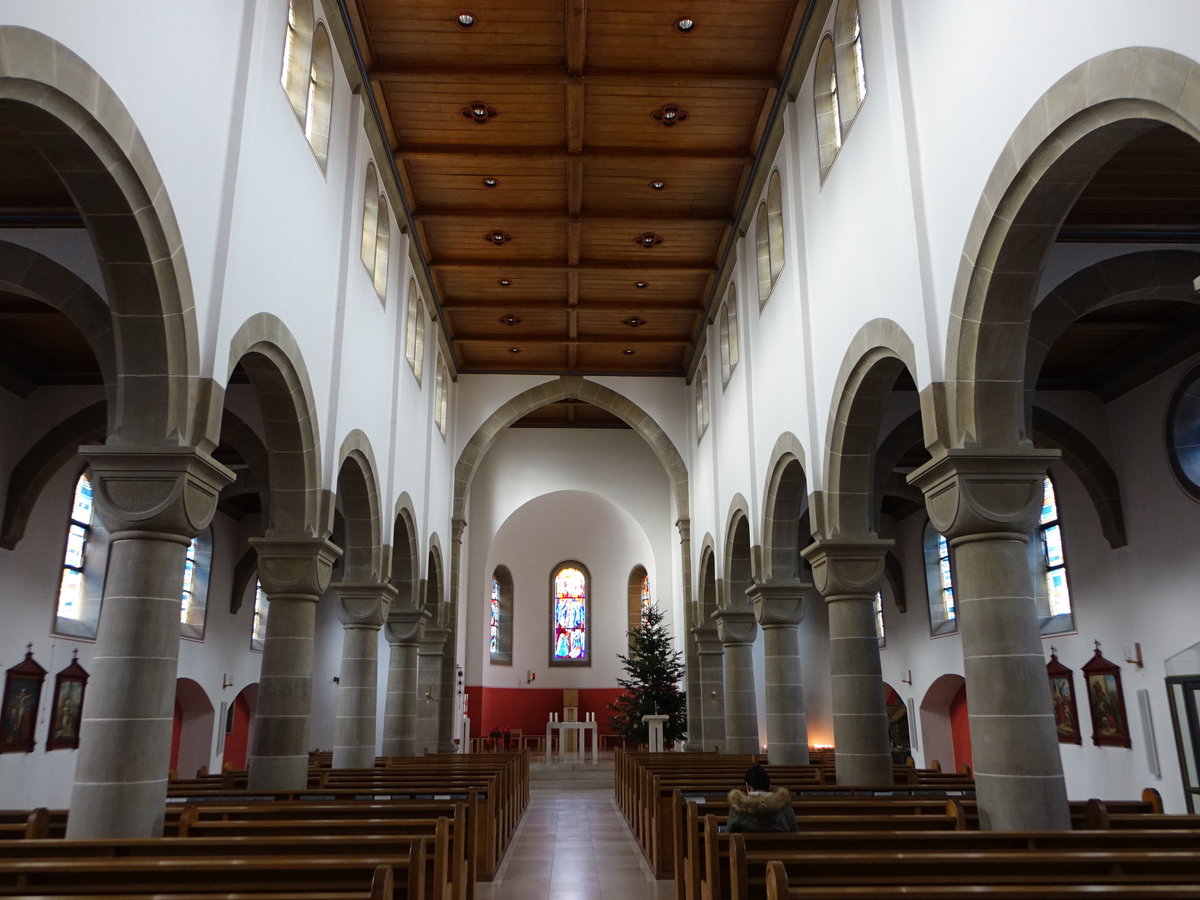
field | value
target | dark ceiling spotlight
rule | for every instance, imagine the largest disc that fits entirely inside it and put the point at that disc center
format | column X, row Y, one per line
column 466, row 20
column 510, row 319
column 669, row 115
column 514, row 349
column 499, row 238
column 657, row 185
column 628, row 352
column 684, row 24
column 479, row 112
column 641, row 284
column 491, row 182
column 649, row 239
column 504, row 282
column 633, row 321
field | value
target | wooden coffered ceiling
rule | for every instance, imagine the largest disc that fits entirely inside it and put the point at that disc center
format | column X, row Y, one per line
column 573, row 262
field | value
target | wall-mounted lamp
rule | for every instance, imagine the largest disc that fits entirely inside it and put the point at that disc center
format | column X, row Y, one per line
column 530, row 676
column 907, row 679
column 713, row 693
column 226, row 681
column 428, row 693
column 337, row 679
column 1134, row 657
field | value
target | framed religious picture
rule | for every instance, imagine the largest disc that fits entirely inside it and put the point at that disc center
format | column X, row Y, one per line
column 1110, row 726
column 18, row 711
column 1062, row 694
column 66, row 710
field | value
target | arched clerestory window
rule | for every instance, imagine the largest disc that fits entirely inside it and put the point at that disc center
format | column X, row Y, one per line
column 414, row 331
column 258, row 626
column 848, row 50
column 638, row 597
column 570, row 615
column 297, row 54
column 702, row 401
column 939, row 581
column 825, row 103
column 81, row 582
column 1052, row 592
column 762, row 253
column 197, row 565
column 307, row 76
column 383, row 246
column 441, row 396
column 730, row 347
column 775, row 225
column 500, row 618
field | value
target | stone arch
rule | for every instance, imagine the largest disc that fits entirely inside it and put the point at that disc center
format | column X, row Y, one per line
column 878, row 353
column 940, row 720
column 1072, row 130
column 739, row 568
column 268, row 353
column 194, row 727
column 54, row 99
column 254, row 476
column 571, row 387
column 784, row 502
column 907, row 434
column 1144, row 275
column 435, row 583
column 33, row 471
column 405, row 567
column 707, row 589
column 358, row 495
column 31, row 274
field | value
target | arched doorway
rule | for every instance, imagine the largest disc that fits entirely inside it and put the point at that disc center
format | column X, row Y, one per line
column 237, row 728
column 945, row 732
column 191, row 734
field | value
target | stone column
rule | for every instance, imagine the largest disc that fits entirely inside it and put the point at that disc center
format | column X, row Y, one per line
column 710, row 657
column 152, row 503
column 987, row 504
column 848, row 572
column 294, row 574
column 404, row 630
column 430, row 689
column 695, row 693
column 737, row 630
column 361, row 610
column 779, row 609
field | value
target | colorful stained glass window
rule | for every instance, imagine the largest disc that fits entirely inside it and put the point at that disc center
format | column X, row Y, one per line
column 70, row 589
column 494, row 616
column 570, row 615
column 646, row 599
column 1057, row 591
column 939, row 583
column 189, row 582
column 947, row 593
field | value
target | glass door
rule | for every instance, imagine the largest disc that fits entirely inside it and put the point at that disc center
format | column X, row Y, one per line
column 1184, row 691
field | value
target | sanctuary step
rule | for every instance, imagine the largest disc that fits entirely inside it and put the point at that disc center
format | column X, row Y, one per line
column 585, row 776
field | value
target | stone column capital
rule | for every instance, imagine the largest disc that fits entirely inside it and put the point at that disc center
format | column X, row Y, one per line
column 847, row 567
column 735, row 627
column 970, row 492
column 433, row 641
column 300, row 567
column 363, row 604
column 707, row 640
column 457, row 527
column 169, row 490
column 684, row 527
column 779, row 603
column 405, row 627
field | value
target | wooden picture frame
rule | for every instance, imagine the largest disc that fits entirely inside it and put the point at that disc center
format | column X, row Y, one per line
column 66, row 710
column 1062, row 696
column 1106, row 699
column 19, row 709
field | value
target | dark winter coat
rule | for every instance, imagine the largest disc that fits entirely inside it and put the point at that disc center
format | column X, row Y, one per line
column 760, row 811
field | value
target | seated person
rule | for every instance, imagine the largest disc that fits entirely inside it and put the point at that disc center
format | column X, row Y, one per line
column 758, row 808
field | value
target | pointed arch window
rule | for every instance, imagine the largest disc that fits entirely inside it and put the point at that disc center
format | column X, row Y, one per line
column 81, row 582
column 414, row 331
column 500, row 616
column 196, row 567
column 441, row 396
column 570, row 615
column 307, row 76
column 638, row 596
column 825, row 102
column 730, row 349
column 1052, row 590
column 939, row 580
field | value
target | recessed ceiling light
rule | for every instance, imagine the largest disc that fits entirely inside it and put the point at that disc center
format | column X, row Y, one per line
column 633, row 321
column 491, row 182
column 514, row 349
column 504, row 282
column 510, row 319
column 657, row 185
column 684, row 24
column 649, row 239
column 479, row 112
column 628, row 352
column 497, row 237
column 466, row 20
column 669, row 115
column 641, row 284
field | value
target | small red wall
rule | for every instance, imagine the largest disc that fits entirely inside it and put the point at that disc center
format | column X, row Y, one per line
column 234, row 756
column 529, row 708
column 960, row 730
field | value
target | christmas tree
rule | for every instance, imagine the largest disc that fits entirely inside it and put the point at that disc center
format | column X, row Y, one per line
column 654, row 669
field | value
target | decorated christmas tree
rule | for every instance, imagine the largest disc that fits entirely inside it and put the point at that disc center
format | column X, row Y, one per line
column 653, row 669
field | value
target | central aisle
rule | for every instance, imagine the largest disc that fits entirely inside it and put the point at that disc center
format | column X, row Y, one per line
column 572, row 844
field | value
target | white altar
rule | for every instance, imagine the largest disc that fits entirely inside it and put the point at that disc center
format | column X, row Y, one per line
column 580, row 728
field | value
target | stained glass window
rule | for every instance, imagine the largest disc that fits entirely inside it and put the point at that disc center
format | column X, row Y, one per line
column 189, row 582
column 646, row 599
column 879, row 633
column 70, row 589
column 258, row 630
column 1057, row 592
column 947, row 589
column 570, row 611
column 939, row 582
column 494, row 605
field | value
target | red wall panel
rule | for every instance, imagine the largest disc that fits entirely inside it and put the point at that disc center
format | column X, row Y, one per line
column 960, row 730
column 529, row 708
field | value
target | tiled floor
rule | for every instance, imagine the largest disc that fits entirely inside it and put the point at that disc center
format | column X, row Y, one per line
column 574, row 845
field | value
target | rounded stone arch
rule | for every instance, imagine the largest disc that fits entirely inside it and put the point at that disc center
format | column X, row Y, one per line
column 1142, row 275
column 405, row 567
column 877, row 354
column 55, row 100
column 31, row 274
column 784, row 501
column 243, row 440
column 49, row 453
column 738, row 556
column 269, row 355
column 435, row 584
column 358, row 497
column 1068, row 134
column 571, row 387
column 706, row 593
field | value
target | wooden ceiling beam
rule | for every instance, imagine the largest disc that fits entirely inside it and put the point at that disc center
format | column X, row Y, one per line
column 690, row 307
column 548, row 76
column 509, row 339
column 617, row 219
column 470, row 265
column 472, row 153
column 576, row 36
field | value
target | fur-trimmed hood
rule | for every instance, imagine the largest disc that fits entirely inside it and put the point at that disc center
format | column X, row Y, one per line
column 760, row 804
